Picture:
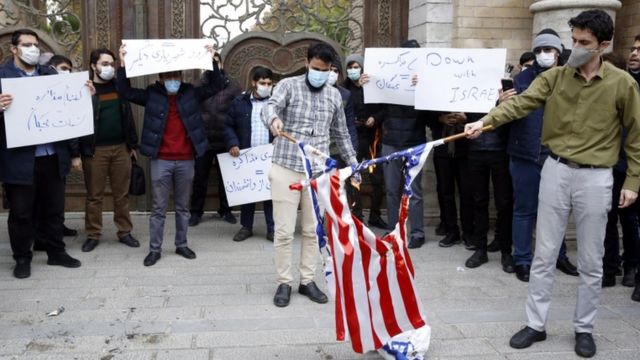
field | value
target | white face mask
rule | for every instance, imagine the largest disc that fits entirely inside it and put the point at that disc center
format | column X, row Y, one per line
column 107, row 73
column 333, row 78
column 263, row 91
column 30, row 54
column 546, row 59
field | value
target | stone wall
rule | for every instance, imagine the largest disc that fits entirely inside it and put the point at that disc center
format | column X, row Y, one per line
column 627, row 26
column 431, row 22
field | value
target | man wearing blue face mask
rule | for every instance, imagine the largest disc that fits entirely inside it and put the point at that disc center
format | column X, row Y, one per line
column 311, row 111
column 172, row 135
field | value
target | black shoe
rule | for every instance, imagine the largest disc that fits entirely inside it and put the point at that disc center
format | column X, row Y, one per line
column 585, row 346
column 415, row 243
column 379, row 223
column 450, row 240
column 441, row 230
column 494, row 246
column 283, row 294
column 39, row 246
column 313, row 293
column 478, row 258
column 22, row 269
column 129, row 240
column 526, row 337
column 68, row 232
column 90, row 244
column 242, row 234
column 194, row 219
column 63, row 259
column 468, row 243
column 507, row 263
column 522, row 272
column 229, row 217
column 270, row 236
column 567, row 267
column 635, row 296
column 629, row 278
column 185, row 252
column 152, row 258
column 608, row 280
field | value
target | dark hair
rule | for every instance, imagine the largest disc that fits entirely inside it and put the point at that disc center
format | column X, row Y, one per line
column 411, row 43
column 526, row 57
column 15, row 36
column 167, row 74
column 59, row 59
column 261, row 72
column 598, row 22
column 95, row 55
column 637, row 38
column 616, row 59
column 320, row 51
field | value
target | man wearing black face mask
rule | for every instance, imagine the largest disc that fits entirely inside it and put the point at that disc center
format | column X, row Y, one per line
column 585, row 104
column 305, row 107
column 33, row 176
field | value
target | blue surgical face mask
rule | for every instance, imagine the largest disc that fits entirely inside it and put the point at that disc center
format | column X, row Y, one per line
column 317, row 78
column 353, row 74
column 172, row 86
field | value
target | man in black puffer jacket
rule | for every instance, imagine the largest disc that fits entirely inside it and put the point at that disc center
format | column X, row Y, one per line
column 172, row 135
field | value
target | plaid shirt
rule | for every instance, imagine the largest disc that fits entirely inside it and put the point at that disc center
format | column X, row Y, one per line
column 311, row 117
column 259, row 132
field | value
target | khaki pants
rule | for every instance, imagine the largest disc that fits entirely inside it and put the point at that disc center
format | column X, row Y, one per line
column 114, row 162
column 285, row 212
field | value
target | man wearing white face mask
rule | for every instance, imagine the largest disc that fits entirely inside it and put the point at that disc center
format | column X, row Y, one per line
column 347, row 105
column 526, row 157
column 107, row 154
column 244, row 129
column 584, row 105
column 305, row 107
column 172, row 136
column 33, row 176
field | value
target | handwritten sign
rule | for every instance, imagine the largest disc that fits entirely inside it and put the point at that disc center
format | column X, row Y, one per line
column 146, row 57
column 47, row 109
column 246, row 177
column 390, row 71
column 466, row 80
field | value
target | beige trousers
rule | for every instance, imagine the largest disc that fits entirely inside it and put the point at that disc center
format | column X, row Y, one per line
column 285, row 213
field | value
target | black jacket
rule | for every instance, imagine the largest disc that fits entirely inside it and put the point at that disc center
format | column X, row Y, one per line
column 16, row 164
column 237, row 130
column 495, row 140
column 404, row 126
column 455, row 149
column 214, row 110
column 155, row 100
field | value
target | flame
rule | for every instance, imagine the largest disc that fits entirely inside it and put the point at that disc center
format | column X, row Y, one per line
column 373, row 148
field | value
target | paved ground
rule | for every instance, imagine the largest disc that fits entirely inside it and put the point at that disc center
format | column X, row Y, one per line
column 219, row 306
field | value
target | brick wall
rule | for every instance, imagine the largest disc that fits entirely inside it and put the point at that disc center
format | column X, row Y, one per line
column 493, row 24
column 627, row 25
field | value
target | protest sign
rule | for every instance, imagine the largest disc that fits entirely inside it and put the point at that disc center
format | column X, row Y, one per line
column 246, row 177
column 144, row 57
column 47, row 109
column 459, row 80
column 390, row 71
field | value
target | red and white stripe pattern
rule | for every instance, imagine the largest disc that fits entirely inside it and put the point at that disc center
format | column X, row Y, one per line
column 372, row 277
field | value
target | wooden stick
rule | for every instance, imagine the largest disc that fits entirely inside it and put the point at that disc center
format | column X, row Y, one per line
column 463, row 135
column 288, row 137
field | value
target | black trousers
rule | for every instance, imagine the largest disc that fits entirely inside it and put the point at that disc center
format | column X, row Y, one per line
column 37, row 209
column 630, row 235
column 201, row 181
column 376, row 180
column 452, row 173
column 494, row 166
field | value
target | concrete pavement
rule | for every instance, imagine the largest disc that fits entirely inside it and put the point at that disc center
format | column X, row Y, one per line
column 219, row 306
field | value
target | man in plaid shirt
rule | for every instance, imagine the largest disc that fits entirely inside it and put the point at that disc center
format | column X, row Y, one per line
column 310, row 111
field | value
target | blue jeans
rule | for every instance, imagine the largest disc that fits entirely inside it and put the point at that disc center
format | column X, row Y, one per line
column 525, row 176
column 167, row 175
column 394, row 182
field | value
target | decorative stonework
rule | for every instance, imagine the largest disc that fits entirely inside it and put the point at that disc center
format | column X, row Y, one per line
column 103, row 26
column 384, row 22
column 178, row 11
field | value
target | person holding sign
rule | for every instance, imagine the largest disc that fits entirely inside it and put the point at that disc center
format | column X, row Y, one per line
column 311, row 111
column 172, row 135
column 33, row 176
column 244, row 129
column 107, row 153
column 584, row 105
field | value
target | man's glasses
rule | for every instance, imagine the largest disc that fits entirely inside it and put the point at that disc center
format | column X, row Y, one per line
column 634, row 48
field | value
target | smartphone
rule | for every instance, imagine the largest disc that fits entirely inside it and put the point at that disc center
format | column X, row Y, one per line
column 507, row 84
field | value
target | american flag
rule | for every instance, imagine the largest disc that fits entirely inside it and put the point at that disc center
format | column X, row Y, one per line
column 371, row 278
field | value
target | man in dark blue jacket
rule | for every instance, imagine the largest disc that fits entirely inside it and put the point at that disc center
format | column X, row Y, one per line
column 526, row 157
column 244, row 129
column 172, row 135
column 33, row 176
